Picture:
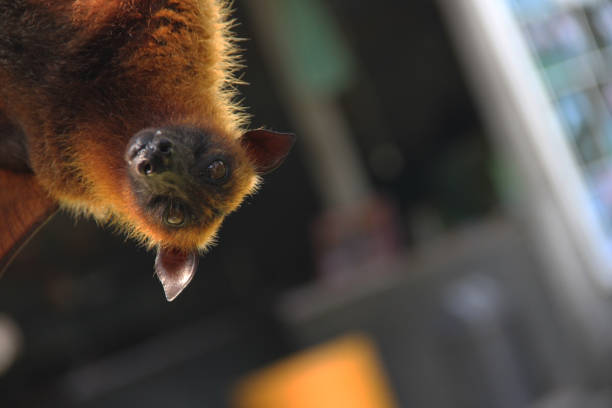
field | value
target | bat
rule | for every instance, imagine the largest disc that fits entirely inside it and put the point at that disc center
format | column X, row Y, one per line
column 125, row 111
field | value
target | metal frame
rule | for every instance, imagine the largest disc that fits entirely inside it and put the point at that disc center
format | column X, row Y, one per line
column 555, row 205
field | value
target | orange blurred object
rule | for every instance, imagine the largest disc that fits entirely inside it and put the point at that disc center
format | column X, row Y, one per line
column 342, row 373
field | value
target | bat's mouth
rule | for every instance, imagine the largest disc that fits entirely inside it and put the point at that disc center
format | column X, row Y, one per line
column 170, row 211
column 176, row 213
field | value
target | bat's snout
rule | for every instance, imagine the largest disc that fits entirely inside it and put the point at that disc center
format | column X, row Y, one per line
column 150, row 153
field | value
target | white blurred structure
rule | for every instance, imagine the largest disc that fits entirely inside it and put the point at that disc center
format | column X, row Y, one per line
column 10, row 342
column 542, row 72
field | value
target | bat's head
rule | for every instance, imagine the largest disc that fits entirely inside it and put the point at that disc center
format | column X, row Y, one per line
column 185, row 180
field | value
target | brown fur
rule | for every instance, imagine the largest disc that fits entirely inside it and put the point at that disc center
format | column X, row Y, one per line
column 80, row 77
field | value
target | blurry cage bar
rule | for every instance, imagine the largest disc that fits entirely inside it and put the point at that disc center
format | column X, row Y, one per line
column 307, row 57
column 542, row 70
column 312, row 66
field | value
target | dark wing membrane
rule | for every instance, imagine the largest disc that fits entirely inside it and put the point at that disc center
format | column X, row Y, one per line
column 24, row 208
column 13, row 150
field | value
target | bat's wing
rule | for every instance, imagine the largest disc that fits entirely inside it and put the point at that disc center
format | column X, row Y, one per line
column 24, row 208
column 13, row 150
column 24, row 205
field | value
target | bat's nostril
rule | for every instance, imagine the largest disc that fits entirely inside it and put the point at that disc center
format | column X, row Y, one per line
column 164, row 146
column 145, row 168
column 153, row 158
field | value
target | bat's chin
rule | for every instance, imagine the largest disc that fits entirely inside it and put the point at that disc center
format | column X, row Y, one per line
column 171, row 222
column 178, row 241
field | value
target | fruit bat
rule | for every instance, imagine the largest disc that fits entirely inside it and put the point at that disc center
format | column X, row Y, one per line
column 124, row 111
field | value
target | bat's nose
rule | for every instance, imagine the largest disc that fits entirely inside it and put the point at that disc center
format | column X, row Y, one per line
column 150, row 154
column 155, row 159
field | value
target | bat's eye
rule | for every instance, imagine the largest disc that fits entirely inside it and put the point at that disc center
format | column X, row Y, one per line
column 174, row 217
column 217, row 171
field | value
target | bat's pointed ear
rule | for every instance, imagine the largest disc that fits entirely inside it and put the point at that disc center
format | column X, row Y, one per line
column 267, row 149
column 175, row 269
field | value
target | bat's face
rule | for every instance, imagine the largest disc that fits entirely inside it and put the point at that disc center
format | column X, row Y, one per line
column 185, row 180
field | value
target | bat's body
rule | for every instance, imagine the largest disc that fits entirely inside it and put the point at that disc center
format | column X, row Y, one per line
column 122, row 110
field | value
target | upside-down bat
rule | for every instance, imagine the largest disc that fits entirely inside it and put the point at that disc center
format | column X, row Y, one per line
column 124, row 110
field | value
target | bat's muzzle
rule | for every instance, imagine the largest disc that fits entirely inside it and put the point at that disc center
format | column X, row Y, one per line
column 150, row 153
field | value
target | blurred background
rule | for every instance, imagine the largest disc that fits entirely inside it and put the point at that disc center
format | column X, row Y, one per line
column 439, row 237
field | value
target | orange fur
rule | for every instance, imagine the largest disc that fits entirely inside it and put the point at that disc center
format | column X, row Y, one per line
column 173, row 63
